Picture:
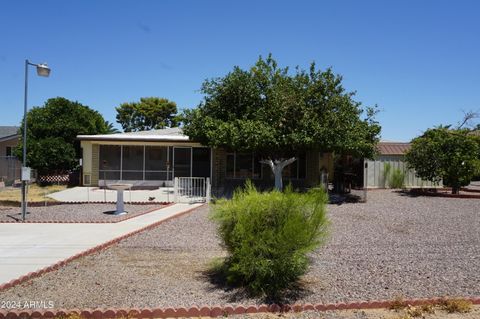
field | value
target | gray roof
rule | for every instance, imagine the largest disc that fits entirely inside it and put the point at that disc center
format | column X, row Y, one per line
column 174, row 134
column 7, row 131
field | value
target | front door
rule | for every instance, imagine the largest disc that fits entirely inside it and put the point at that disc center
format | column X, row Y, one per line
column 182, row 161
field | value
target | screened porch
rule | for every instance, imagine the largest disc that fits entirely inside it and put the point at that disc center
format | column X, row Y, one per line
column 149, row 165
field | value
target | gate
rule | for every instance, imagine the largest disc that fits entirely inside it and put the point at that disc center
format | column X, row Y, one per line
column 192, row 189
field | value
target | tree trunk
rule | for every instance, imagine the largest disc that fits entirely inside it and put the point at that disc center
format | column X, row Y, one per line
column 277, row 167
column 455, row 189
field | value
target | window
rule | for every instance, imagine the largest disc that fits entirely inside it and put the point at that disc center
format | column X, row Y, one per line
column 132, row 163
column 110, row 162
column 156, row 160
column 296, row 170
column 8, row 151
column 243, row 165
column 152, row 163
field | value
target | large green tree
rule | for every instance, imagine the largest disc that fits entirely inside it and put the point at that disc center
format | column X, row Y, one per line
column 52, row 131
column 451, row 155
column 275, row 113
column 149, row 113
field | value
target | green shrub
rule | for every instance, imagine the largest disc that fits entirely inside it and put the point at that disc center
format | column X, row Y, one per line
column 387, row 168
column 396, row 179
column 268, row 236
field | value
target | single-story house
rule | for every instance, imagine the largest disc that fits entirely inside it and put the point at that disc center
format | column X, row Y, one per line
column 9, row 165
column 392, row 153
column 154, row 158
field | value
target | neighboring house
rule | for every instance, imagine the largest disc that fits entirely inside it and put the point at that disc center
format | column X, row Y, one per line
column 394, row 154
column 9, row 165
column 153, row 158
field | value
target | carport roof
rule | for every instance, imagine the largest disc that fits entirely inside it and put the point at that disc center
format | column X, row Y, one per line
column 173, row 134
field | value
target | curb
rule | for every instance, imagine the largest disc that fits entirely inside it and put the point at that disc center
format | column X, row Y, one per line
column 164, row 205
column 210, row 311
column 90, row 251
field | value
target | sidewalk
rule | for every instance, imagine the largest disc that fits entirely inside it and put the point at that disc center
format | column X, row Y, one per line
column 95, row 194
column 26, row 248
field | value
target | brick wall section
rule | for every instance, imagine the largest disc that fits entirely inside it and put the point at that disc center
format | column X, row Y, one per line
column 213, row 311
column 95, row 164
column 313, row 169
column 219, row 169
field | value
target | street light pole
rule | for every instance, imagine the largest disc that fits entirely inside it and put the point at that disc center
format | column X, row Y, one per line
column 24, row 183
column 42, row 70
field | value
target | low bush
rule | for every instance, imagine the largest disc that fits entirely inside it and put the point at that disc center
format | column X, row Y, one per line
column 387, row 169
column 397, row 179
column 456, row 305
column 393, row 177
column 268, row 236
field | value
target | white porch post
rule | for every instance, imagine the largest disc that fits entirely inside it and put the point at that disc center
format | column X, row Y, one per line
column 175, row 190
column 208, row 191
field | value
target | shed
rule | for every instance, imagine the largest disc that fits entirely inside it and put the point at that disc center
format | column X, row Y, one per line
column 392, row 153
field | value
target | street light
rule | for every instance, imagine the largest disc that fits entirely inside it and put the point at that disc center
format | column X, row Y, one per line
column 42, row 70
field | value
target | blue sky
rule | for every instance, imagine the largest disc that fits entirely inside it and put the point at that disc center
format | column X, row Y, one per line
column 418, row 60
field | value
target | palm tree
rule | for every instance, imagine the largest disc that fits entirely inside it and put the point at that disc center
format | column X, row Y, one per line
column 110, row 128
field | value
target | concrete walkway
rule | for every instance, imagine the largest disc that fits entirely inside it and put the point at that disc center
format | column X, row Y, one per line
column 95, row 194
column 26, row 248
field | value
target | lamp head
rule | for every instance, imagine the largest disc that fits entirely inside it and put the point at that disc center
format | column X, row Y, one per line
column 43, row 70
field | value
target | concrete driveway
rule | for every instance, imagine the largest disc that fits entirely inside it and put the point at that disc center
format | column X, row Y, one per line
column 95, row 194
column 26, row 248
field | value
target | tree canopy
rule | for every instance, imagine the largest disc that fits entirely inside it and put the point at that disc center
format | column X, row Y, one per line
column 272, row 111
column 149, row 113
column 451, row 155
column 52, row 134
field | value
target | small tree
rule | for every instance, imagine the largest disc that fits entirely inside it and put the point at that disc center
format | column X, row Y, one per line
column 443, row 153
column 149, row 113
column 269, row 111
column 52, row 134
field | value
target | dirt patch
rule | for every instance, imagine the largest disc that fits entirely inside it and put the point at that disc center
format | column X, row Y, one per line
column 365, row 314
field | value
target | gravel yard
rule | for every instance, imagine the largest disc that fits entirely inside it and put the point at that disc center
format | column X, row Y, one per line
column 362, row 314
column 85, row 213
column 394, row 245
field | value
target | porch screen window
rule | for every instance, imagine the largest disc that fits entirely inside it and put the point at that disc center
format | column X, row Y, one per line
column 110, row 162
column 156, row 158
column 243, row 165
column 132, row 162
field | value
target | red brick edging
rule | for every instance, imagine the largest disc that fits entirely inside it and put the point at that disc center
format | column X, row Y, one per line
column 122, row 219
column 209, row 311
column 434, row 193
column 90, row 251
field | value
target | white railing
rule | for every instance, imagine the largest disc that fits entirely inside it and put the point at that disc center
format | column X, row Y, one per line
column 191, row 189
